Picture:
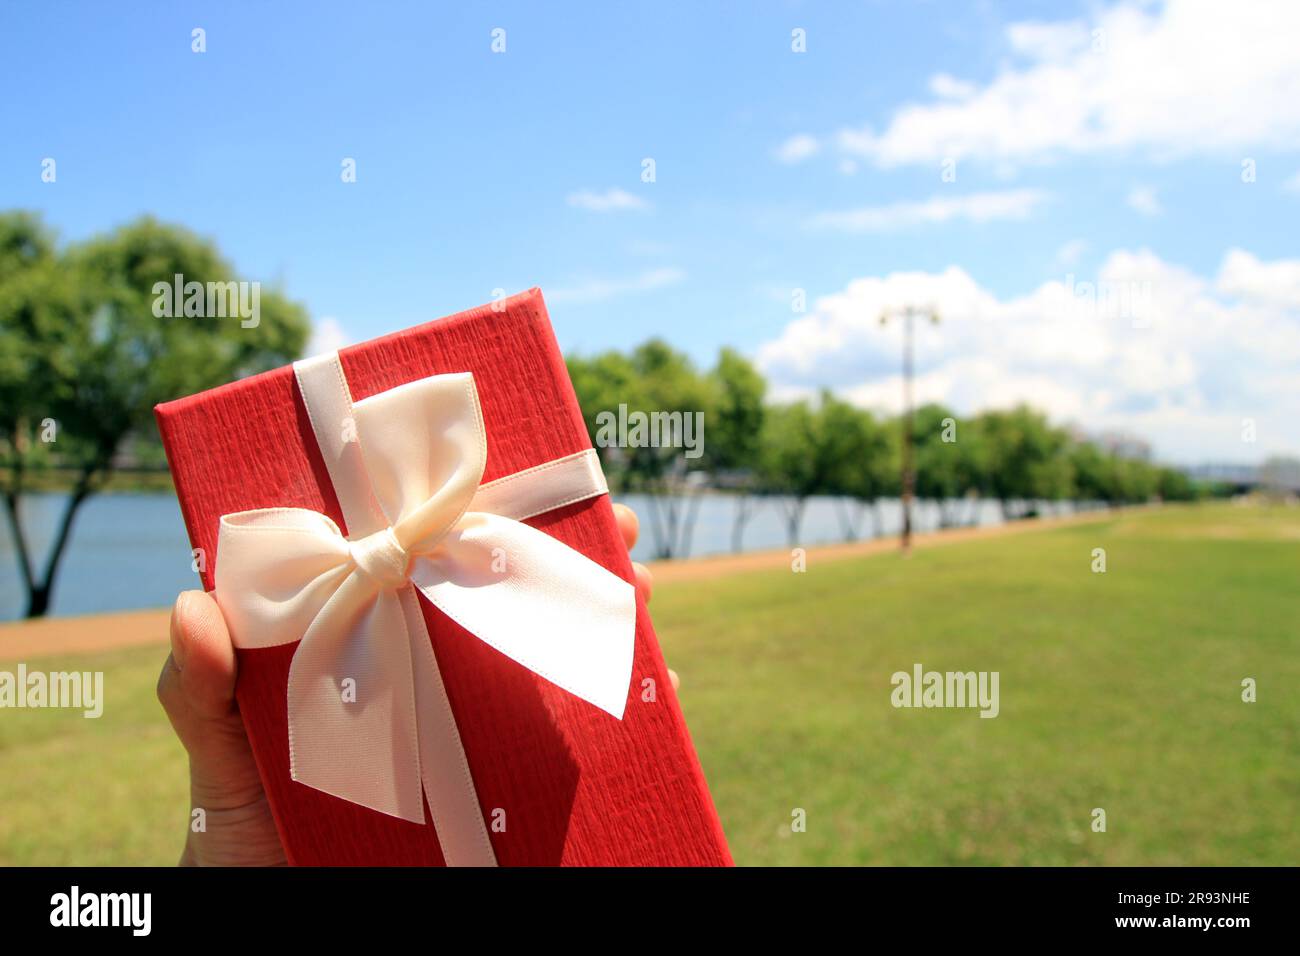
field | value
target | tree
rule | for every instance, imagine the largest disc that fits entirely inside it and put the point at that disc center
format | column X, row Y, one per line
column 972, row 465
column 1138, row 480
column 1051, row 478
column 669, row 385
column 601, row 384
column 789, row 459
column 735, row 433
column 32, row 302
column 1026, row 456
column 865, row 466
column 84, row 350
column 934, row 435
column 1174, row 485
column 951, row 460
column 1095, row 475
column 658, row 392
column 1101, row 475
column 808, row 451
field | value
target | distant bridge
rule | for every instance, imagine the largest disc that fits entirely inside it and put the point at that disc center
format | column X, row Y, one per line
column 1284, row 473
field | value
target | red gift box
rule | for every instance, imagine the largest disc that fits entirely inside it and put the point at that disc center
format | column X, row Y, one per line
column 571, row 785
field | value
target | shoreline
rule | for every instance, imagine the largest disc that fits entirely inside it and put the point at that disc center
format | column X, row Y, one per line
column 112, row 630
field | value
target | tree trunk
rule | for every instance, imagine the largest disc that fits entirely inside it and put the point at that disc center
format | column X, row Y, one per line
column 673, row 517
column 20, row 542
column 38, row 602
column 849, row 511
column 39, row 592
column 794, row 519
column 38, row 596
column 688, row 524
column 662, row 543
column 745, row 508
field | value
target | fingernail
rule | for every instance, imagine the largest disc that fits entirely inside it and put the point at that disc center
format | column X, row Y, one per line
column 180, row 615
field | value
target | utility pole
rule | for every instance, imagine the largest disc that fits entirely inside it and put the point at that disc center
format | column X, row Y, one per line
column 908, row 478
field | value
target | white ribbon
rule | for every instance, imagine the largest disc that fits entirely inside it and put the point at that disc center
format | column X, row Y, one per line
column 406, row 466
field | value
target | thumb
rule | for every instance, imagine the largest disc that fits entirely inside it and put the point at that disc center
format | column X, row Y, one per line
column 203, row 655
column 197, row 690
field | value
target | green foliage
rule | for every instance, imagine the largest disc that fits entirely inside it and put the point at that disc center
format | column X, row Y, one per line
column 669, row 382
column 657, row 381
column 1094, row 473
column 860, row 451
column 654, row 378
column 33, row 302
column 830, row 447
column 1026, row 455
column 601, row 384
column 735, row 429
column 789, row 450
column 81, row 346
column 1099, row 476
column 951, row 456
column 1173, row 485
column 115, row 359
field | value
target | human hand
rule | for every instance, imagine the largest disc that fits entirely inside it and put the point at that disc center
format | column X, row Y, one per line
column 197, row 690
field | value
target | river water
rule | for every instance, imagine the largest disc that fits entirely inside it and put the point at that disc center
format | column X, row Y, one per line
column 130, row 550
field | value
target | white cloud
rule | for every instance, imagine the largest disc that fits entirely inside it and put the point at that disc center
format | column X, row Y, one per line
column 975, row 207
column 1275, row 284
column 1143, row 200
column 1187, row 77
column 797, row 148
column 611, row 200
column 327, row 335
column 947, row 87
column 598, row 290
column 1144, row 346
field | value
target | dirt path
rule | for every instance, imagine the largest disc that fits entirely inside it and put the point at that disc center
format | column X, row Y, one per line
column 26, row 640
column 88, row 634
column 723, row 564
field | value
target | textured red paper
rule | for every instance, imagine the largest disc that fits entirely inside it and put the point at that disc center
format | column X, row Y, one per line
column 577, row 787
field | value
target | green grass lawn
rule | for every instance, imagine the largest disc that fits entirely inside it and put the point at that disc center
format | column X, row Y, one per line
column 1119, row 690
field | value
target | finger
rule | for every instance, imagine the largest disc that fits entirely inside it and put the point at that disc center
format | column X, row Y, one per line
column 203, row 654
column 644, row 581
column 628, row 524
column 672, row 676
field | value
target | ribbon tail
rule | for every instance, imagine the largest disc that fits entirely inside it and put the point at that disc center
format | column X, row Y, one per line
column 352, row 708
column 453, row 801
column 537, row 601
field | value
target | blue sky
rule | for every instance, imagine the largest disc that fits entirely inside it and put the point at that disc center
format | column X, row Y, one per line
column 1093, row 143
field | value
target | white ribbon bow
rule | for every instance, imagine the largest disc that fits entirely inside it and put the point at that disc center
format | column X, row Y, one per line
column 368, row 717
